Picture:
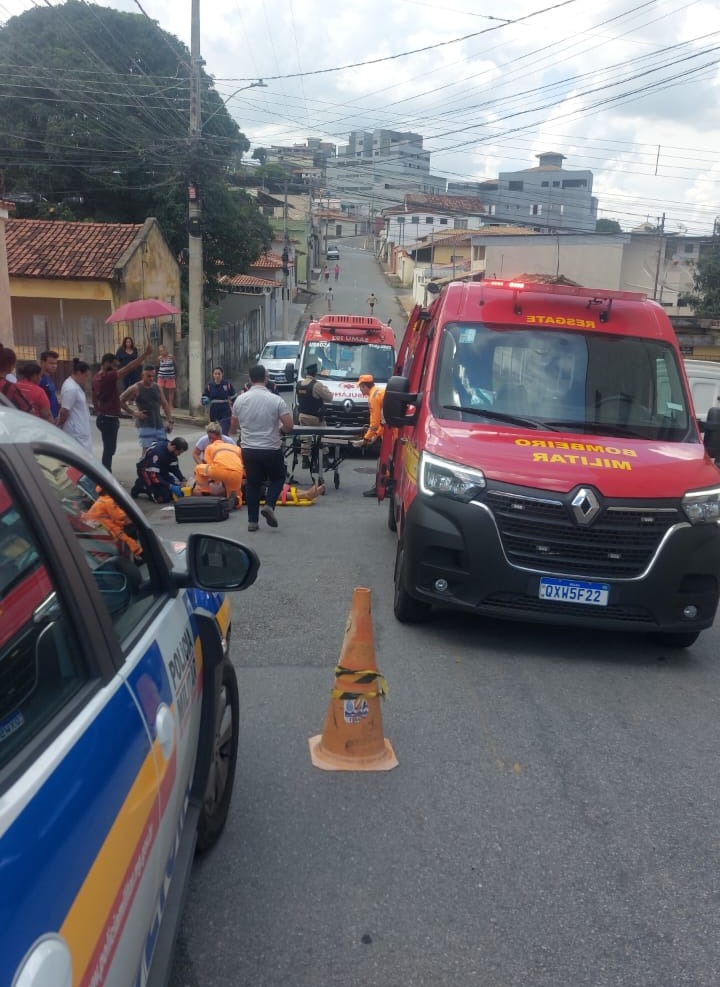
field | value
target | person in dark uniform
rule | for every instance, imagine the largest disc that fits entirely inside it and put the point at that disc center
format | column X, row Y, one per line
column 312, row 395
column 158, row 472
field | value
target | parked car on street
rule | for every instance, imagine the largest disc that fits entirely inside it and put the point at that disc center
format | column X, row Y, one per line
column 332, row 253
column 118, row 716
column 275, row 356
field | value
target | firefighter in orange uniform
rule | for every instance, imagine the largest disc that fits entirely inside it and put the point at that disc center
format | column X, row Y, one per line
column 223, row 464
column 374, row 394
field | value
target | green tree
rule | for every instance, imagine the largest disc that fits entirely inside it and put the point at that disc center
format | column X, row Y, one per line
column 95, row 125
column 705, row 298
column 607, row 226
column 260, row 154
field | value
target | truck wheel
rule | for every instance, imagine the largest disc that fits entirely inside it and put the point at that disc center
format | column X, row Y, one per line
column 216, row 802
column 406, row 608
column 675, row 639
column 392, row 523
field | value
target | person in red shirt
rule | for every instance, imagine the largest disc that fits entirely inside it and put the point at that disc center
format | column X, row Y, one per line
column 106, row 399
column 29, row 386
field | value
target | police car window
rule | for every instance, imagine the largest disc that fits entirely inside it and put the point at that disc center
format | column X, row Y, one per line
column 41, row 666
column 110, row 544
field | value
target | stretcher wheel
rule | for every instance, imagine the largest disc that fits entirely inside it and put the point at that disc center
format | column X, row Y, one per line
column 336, row 479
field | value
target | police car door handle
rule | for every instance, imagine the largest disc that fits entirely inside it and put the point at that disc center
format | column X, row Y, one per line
column 165, row 729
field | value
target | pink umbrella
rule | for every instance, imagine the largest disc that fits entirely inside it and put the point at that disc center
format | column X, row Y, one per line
column 143, row 308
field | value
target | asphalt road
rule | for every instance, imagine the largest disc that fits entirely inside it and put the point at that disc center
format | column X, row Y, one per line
column 553, row 821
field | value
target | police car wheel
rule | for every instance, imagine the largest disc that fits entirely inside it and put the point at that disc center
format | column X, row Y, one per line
column 216, row 803
column 406, row 608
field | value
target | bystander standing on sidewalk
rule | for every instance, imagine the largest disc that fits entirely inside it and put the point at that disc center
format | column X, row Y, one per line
column 167, row 375
column 74, row 417
column 48, row 369
column 106, row 399
column 149, row 403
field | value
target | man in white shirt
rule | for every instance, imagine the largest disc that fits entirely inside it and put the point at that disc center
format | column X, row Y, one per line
column 263, row 417
column 74, row 417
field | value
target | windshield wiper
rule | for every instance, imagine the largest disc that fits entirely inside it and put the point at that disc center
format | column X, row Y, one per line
column 597, row 428
column 499, row 416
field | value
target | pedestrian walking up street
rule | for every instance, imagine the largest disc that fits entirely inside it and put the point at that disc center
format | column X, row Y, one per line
column 372, row 300
column 262, row 418
column 336, row 269
column 329, row 297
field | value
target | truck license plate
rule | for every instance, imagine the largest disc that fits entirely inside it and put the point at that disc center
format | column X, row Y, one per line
column 573, row 591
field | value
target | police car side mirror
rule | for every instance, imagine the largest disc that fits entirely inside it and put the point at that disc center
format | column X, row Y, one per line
column 396, row 402
column 216, row 563
column 290, row 372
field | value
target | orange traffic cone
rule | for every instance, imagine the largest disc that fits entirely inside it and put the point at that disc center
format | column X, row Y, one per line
column 352, row 738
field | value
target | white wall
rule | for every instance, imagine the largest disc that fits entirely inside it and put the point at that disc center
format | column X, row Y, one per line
column 589, row 260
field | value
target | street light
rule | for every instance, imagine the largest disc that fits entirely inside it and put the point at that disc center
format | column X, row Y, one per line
column 259, row 84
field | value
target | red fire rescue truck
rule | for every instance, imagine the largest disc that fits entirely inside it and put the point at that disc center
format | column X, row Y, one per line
column 546, row 465
column 343, row 347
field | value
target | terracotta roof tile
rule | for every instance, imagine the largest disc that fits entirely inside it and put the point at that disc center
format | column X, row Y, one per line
column 269, row 260
column 246, row 281
column 38, row 248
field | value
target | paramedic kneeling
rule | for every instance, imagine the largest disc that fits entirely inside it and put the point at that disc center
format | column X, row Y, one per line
column 223, row 464
column 374, row 394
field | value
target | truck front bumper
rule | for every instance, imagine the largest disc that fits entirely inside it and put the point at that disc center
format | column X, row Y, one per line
column 454, row 557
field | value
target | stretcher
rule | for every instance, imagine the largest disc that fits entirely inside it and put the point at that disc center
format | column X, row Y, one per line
column 328, row 449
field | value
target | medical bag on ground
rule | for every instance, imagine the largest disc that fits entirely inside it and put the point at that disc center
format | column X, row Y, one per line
column 202, row 509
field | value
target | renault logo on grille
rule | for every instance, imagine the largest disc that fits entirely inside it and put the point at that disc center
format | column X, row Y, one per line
column 348, row 405
column 585, row 506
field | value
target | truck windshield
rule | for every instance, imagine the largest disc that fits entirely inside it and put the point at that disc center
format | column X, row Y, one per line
column 342, row 361
column 575, row 381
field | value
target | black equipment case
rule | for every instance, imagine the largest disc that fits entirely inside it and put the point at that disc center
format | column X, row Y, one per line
column 202, row 509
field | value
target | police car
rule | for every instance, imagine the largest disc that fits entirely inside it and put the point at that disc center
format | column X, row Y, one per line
column 118, row 717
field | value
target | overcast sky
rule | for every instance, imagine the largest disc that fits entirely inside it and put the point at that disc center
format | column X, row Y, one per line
column 630, row 90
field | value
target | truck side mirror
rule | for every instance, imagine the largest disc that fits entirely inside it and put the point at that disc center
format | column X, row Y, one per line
column 711, row 433
column 396, row 402
column 290, row 373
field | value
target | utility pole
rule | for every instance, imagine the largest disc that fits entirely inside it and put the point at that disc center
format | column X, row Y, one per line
column 196, row 329
column 661, row 250
column 310, row 262
column 285, row 268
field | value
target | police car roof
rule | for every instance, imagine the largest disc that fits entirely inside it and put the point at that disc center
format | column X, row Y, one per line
column 20, row 428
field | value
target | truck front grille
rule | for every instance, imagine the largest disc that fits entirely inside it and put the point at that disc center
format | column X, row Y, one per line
column 357, row 417
column 539, row 533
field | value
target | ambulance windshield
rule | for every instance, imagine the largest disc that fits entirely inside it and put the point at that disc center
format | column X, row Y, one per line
column 339, row 360
column 576, row 381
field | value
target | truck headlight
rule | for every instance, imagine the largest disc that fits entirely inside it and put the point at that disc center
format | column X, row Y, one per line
column 702, row 506
column 445, row 479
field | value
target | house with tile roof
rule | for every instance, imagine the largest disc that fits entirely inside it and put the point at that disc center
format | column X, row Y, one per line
column 424, row 215
column 67, row 277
